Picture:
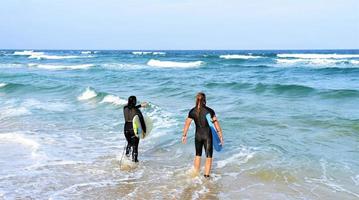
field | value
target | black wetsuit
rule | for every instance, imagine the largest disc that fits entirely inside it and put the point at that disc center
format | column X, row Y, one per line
column 132, row 140
column 203, row 136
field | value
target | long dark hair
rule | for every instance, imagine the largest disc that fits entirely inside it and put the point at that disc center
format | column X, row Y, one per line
column 200, row 102
column 132, row 101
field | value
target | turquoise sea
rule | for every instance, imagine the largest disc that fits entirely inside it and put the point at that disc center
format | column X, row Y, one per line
column 290, row 121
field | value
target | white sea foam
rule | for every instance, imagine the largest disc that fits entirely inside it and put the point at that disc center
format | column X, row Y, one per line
column 11, row 65
column 19, row 139
column 162, row 120
column 87, row 94
column 3, row 85
column 159, row 53
column 86, row 52
column 172, row 64
column 81, row 188
column 239, row 158
column 318, row 56
column 112, row 99
column 30, row 54
column 120, row 66
column 311, row 61
column 54, row 163
column 328, row 181
column 141, row 52
column 355, row 179
column 61, row 67
column 354, row 62
column 51, row 57
column 235, row 56
column 289, row 61
column 27, row 53
column 50, row 106
column 41, row 55
column 148, row 53
column 14, row 111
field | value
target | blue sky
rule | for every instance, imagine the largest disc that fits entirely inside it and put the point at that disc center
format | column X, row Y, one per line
column 179, row 24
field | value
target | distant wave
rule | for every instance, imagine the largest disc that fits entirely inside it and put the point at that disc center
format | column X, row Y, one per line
column 290, row 89
column 86, row 52
column 112, row 99
column 318, row 56
column 227, row 85
column 236, row 56
column 148, row 53
column 87, row 94
column 26, row 53
column 41, row 55
column 302, row 90
column 141, row 52
column 159, row 53
column 3, row 85
column 28, row 87
column 11, row 65
column 11, row 86
column 90, row 93
column 339, row 94
column 172, row 64
column 121, row 66
column 319, row 62
column 311, row 61
column 61, row 67
column 52, row 57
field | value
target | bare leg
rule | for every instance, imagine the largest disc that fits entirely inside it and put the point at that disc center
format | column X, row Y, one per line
column 208, row 166
column 197, row 163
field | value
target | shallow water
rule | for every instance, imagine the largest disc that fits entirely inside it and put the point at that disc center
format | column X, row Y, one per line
column 290, row 121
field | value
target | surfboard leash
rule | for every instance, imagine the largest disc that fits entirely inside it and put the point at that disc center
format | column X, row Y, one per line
column 123, row 152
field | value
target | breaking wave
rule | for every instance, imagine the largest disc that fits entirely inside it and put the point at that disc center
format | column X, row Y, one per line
column 235, row 56
column 173, row 64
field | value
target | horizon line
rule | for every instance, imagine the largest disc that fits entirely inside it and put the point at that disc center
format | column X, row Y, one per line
column 38, row 49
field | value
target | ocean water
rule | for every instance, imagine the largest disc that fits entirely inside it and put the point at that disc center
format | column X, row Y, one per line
column 290, row 121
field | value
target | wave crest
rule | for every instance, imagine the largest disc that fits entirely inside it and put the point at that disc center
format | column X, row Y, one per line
column 112, row 99
column 148, row 53
column 236, row 56
column 173, row 64
column 61, row 67
column 27, row 53
column 41, row 55
column 3, row 85
column 51, row 57
column 86, row 52
column 87, row 94
column 317, row 62
column 318, row 56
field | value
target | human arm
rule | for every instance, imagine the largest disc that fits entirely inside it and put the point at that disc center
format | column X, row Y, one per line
column 185, row 130
column 218, row 128
column 143, row 104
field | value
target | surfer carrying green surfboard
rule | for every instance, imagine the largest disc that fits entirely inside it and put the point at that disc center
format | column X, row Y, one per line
column 130, row 111
column 203, row 137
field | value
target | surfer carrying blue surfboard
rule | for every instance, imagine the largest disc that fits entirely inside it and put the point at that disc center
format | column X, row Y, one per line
column 204, row 136
column 130, row 111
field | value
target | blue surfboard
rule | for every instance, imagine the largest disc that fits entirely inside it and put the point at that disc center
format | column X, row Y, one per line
column 215, row 138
